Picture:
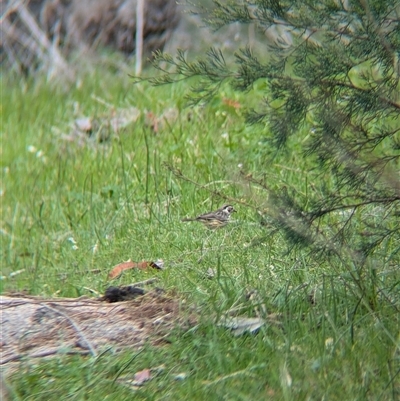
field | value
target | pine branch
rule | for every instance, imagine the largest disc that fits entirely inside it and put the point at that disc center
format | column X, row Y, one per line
column 335, row 83
column 315, row 214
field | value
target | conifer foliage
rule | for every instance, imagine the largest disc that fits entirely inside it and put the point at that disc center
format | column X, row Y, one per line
column 332, row 75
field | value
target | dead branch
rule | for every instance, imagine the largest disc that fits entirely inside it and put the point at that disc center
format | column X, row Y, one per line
column 75, row 326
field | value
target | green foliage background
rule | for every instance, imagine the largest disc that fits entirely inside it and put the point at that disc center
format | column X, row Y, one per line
column 73, row 207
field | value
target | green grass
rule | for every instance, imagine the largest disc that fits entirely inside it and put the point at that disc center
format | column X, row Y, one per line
column 69, row 208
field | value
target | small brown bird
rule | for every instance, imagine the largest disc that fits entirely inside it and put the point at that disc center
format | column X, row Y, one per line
column 217, row 219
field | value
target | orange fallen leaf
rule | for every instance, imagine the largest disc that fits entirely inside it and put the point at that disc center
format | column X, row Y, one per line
column 151, row 121
column 118, row 269
column 158, row 122
column 141, row 377
column 232, row 103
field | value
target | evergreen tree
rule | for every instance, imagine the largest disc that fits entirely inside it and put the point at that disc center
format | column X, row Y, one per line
column 333, row 74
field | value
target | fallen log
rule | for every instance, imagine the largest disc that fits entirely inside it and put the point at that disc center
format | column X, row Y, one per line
column 36, row 327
